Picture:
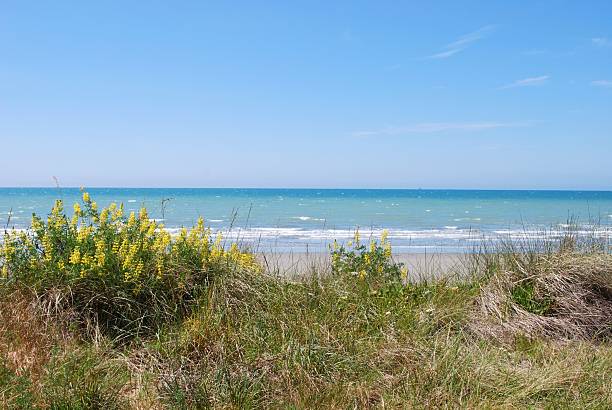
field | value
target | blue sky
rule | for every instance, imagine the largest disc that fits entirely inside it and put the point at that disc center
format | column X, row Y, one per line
column 470, row 94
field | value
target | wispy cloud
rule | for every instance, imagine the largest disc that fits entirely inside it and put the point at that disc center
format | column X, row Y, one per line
column 461, row 43
column 602, row 83
column 437, row 127
column 601, row 42
column 527, row 82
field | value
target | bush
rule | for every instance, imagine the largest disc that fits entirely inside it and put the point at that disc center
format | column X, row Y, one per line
column 121, row 272
column 372, row 261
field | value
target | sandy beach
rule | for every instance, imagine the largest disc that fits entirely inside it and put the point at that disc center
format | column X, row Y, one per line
column 420, row 265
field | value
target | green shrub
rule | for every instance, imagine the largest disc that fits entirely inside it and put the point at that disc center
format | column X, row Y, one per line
column 122, row 272
column 372, row 261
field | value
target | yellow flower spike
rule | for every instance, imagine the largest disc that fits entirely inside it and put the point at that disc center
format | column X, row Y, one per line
column 387, row 250
column 48, row 247
column 37, row 224
column 100, row 252
column 362, row 274
column 116, row 245
column 142, row 214
column 77, row 209
column 104, row 215
column 356, row 238
column 94, row 206
column 384, row 236
column 372, row 246
column 404, row 273
column 349, row 244
column 75, row 257
column 117, row 213
column 86, row 197
column 367, row 259
column 218, row 240
column 152, row 229
column 335, row 245
column 131, row 220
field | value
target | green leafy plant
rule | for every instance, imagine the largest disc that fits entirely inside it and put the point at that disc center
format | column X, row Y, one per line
column 372, row 260
column 124, row 272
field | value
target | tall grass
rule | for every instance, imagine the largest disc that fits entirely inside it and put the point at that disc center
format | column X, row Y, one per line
column 221, row 333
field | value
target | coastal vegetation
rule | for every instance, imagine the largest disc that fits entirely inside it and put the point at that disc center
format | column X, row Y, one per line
column 107, row 310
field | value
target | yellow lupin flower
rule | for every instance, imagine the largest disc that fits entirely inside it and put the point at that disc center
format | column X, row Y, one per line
column 48, row 247
column 356, row 238
column 104, row 215
column 77, row 208
column 75, row 257
column 100, row 252
column 384, row 236
column 142, row 214
column 362, row 274
column 74, row 221
column 131, row 219
column 37, row 224
column 387, row 250
column 86, row 197
column 404, row 273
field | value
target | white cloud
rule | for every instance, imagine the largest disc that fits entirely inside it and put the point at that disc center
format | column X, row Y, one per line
column 602, row 83
column 601, row 42
column 436, row 127
column 461, row 43
column 527, row 82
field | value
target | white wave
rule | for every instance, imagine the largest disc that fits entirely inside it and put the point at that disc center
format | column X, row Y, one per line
column 131, row 200
column 307, row 218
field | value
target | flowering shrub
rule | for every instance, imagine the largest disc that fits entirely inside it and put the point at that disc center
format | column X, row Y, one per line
column 104, row 255
column 372, row 260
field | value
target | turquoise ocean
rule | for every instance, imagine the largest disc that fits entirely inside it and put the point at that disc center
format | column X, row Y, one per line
column 301, row 220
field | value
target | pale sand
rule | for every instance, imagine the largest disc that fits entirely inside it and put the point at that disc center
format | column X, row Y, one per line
column 420, row 265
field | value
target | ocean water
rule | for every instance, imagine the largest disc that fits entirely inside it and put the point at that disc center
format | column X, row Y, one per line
column 308, row 219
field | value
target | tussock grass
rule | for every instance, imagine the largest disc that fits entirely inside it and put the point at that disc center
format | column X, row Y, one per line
column 559, row 296
column 524, row 329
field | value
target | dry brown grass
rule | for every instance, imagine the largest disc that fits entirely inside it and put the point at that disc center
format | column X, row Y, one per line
column 27, row 335
column 560, row 296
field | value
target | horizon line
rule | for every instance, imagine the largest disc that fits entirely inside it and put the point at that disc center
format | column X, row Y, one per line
column 313, row 188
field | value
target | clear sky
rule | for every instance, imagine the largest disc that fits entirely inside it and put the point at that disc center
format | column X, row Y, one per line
column 408, row 94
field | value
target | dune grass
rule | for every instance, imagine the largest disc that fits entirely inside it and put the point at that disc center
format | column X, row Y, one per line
column 521, row 329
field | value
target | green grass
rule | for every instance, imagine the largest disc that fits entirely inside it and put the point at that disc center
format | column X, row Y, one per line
column 524, row 294
column 257, row 341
